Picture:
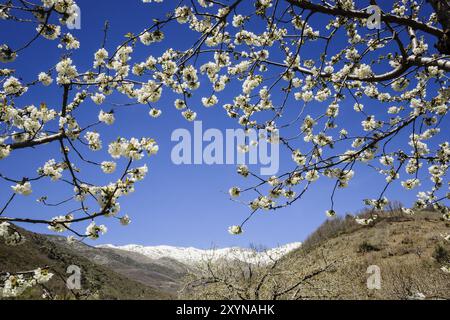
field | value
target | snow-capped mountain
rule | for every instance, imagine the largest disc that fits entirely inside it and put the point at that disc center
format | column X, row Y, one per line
column 193, row 255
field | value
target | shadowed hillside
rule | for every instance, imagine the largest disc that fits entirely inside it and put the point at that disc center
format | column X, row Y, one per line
column 100, row 279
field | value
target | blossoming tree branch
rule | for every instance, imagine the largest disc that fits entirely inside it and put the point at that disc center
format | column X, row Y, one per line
column 385, row 69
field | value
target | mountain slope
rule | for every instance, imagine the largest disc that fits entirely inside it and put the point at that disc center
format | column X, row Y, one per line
column 408, row 251
column 108, row 272
column 98, row 281
column 342, row 260
column 163, row 274
column 333, row 263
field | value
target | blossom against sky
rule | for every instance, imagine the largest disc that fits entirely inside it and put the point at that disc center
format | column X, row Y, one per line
column 176, row 205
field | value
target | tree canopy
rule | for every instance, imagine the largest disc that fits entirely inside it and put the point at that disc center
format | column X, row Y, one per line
column 339, row 84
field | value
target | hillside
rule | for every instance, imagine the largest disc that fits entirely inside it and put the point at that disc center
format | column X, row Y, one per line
column 163, row 273
column 108, row 272
column 408, row 250
column 102, row 276
column 333, row 264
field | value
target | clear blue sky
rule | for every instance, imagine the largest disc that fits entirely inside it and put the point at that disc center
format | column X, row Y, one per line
column 175, row 205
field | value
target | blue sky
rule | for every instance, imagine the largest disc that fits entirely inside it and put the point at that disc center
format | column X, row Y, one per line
column 175, row 205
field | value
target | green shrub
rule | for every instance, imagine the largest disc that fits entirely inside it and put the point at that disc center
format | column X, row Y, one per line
column 441, row 255
column 366, row 247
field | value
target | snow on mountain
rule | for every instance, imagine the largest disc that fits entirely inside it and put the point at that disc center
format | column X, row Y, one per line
column 193, row 255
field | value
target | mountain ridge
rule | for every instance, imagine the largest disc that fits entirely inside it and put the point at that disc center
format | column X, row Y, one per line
column 192, row 256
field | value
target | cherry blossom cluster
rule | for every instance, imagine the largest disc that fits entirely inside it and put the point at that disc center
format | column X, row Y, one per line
column 14, row 285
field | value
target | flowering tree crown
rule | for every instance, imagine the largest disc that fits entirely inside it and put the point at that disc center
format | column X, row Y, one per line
column 302, row 66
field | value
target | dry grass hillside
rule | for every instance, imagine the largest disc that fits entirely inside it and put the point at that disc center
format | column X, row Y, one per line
column 333, row 264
